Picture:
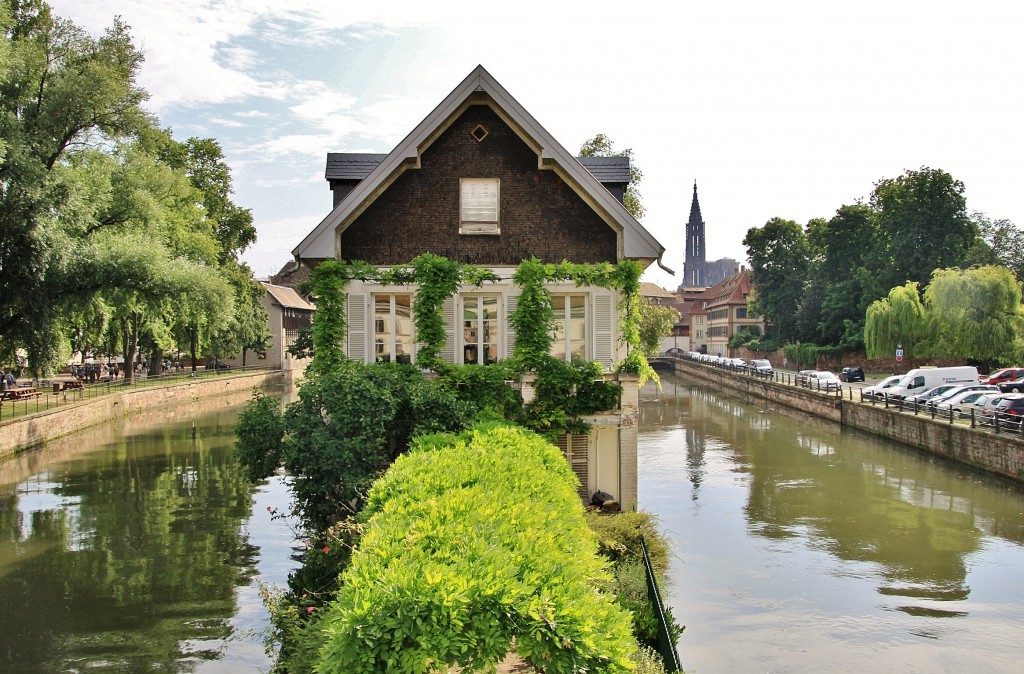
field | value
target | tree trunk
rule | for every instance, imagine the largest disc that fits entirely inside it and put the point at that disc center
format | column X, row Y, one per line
column 132, row 331
column 156, row 362
column 192, row 339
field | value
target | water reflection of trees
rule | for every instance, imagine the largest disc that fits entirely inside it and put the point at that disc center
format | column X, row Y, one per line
column 139, row 573
column 911, row 516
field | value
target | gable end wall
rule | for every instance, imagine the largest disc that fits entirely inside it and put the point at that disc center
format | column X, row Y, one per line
column 540, row 216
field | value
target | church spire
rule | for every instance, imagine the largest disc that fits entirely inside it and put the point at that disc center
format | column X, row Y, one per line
column 695, row 267
column 695, row 208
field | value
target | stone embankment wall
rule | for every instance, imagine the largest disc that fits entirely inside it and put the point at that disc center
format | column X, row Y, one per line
column 33, row 430
column 1001, row 454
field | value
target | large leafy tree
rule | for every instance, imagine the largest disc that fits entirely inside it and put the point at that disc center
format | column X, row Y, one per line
column 202, row 161
column 923, row 217
column 602, row 146
column 845, row 274
column 976, row 314
column 896, row 321
column 779, row 259
column 999, row 242
column 64, row 91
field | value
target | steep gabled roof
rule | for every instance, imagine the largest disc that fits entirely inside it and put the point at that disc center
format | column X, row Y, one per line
column 480, row 87
column 287, row 297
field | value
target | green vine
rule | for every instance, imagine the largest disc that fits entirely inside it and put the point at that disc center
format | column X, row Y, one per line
column 438, row 278
column 327, row 285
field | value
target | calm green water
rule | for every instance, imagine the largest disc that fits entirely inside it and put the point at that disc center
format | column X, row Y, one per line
column 138, row 548
column 799, row 547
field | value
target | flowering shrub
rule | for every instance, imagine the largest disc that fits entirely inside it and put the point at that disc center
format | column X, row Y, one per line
column 468, row 548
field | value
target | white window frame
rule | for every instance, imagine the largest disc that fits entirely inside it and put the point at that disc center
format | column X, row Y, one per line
column 479, row 200
column 566, row 317
column 391, row 335
column 464, row 344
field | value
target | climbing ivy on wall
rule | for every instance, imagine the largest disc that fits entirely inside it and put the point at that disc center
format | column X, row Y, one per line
column 437, row 279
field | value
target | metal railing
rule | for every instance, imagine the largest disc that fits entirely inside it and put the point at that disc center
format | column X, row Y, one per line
column 666, row 647
column 51, row 394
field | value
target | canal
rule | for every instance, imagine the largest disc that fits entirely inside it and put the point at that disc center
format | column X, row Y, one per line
column 801, row 547
column 796, row 546
column 137, row 546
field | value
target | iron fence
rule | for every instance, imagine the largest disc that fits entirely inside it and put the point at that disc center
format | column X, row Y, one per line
column 666, row 647
column 51, row 394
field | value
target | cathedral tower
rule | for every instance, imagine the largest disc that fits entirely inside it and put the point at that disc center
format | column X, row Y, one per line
column 695, row 267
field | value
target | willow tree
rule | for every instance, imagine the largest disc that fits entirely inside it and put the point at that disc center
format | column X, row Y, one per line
column 898, row 320
column 976, row 313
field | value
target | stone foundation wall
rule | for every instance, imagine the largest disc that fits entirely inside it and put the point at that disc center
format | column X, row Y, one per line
column 33, row 430
column 1001, row 454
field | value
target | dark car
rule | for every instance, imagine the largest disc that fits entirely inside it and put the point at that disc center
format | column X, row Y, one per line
column 1010, row 411
column 1012, row 386
column 854, row 373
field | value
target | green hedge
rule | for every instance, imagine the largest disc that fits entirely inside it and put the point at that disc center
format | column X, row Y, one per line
column 472, row 545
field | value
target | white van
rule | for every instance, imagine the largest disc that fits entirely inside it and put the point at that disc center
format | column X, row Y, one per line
column 923, row 378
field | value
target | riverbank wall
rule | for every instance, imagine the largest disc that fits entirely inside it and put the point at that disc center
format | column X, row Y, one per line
column 28, row 432
column 1001, row 454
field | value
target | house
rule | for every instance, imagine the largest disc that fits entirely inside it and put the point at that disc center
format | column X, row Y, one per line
column 287, row 313
column 720, row 312
column 480, row 181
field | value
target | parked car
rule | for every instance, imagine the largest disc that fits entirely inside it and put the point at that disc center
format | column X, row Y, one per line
column 925, row 396
column 825, row 380
column 1012, row 385
column 803, row 377
column 762, row 367
column 1010, row 411
column 1006, row 374
column 935, row 401
column 878, row 390
column 959, row 404
column 853, row 373
column 985, row 407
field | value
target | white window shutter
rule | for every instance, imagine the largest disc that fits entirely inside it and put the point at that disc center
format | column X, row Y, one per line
column 448, row 315
column 576, row 449
column 511, row 302
column 604, row 323
column 357, row 327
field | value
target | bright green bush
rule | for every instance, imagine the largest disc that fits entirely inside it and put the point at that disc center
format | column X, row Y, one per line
column 468, row 549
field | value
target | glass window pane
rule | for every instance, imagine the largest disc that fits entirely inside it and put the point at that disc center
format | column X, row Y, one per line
column 403, row 328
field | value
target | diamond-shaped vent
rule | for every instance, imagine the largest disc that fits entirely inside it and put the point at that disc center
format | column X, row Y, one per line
column 479, row 133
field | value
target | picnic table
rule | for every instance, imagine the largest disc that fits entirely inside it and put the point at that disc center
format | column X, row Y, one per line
column 73, row 384
column 20, row 393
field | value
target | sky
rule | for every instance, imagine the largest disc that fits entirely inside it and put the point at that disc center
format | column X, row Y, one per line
column 784, row 109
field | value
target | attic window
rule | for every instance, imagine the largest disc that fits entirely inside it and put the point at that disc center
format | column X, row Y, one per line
column 479, row 133
column 479, row 206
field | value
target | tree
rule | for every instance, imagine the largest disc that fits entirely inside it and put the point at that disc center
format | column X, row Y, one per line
column 602, row 146
column 65, row 90
column 656, row 322
column 898, row 320
column 779, row 263
column 845, row 276
column 923, row 217
column 248, row 330
column 976, row 314
column 202, row 161
column 999, row 242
